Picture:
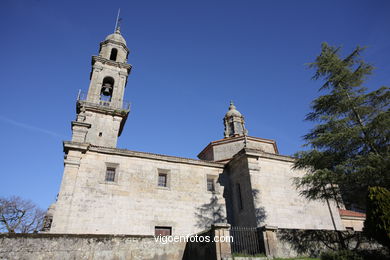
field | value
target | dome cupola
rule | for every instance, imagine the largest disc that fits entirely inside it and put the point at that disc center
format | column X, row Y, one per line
column 234, row 122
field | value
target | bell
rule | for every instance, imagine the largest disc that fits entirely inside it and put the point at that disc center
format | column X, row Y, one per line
column 107, row 89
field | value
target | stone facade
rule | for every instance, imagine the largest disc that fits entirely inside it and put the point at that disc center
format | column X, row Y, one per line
column 134, row 203
column 223, row 150
column 240, row 179
column 352, row 220
column 268, row 183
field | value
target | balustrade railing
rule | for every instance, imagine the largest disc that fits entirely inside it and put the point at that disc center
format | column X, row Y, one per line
column 82, row 96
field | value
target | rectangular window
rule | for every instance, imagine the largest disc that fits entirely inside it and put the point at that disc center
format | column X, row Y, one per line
column 239, row 197
column 210, row 184
column 162, row 231
column 110, row 174
column 162, row 179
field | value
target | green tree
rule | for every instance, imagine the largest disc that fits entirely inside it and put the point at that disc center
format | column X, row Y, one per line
column 348, row 149
column 377, row 223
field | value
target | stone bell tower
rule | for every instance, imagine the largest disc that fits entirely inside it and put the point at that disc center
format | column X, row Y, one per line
column 102, row 113
column 234, row 122
column 236, row 139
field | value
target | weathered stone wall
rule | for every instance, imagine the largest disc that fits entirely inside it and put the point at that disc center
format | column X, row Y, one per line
column 134, row 203
column 270, row 197
column 91, row 247
column 225, row 149
column 105, row 51
column 241, row 195
column 278, row 201
column 295, row 242
column 356, row 224
column 104, row 129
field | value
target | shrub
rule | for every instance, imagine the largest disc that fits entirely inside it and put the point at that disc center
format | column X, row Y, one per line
column 374, row 255
column 356, row 255
column 377, row 223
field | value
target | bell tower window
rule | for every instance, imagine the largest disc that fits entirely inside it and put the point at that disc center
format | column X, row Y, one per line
column 107, row 88
column 231, row 125
column 114, row 53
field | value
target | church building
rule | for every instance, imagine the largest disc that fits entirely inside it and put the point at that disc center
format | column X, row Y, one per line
column 240, row 179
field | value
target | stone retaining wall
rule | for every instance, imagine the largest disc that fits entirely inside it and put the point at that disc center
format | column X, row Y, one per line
column 101, row 247
column 285, row 243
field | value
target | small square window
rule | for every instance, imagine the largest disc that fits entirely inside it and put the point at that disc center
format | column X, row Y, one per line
column 210, row 184
column 162, row 231
column 110, row 174
column 162, row 179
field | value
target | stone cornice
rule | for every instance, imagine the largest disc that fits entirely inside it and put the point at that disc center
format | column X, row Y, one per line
column 70, row 145
column 115, row 42
column 82, row 124
column 261, row 154
column 112, row 63
column 89, row 106
column 72, row 163
column 152, row 156
column 352, row 218
column 277, row 157
column 239, row 138
column 84, row 147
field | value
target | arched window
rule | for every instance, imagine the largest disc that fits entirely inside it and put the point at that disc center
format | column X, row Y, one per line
column 231, row 125
column 107, row 88
column 114, row 53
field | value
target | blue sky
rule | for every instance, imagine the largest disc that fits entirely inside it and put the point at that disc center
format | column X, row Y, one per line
column 190, row 58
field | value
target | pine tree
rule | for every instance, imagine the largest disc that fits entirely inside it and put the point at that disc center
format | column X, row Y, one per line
column 348, row 149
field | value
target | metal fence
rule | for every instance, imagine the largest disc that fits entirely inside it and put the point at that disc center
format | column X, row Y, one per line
column 247, row 240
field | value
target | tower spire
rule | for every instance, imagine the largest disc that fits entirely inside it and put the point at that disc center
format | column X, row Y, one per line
column 118, row 22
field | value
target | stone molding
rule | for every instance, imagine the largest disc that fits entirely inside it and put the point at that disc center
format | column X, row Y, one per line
column 69, row 145
column 72, row 163
column 261, row 154
column 82, row 124
column 112, row 63
column 84, row 147
column 238, row 138
column 90, row 106
column 120, row 112
column 115, row 42
column 153, row 156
